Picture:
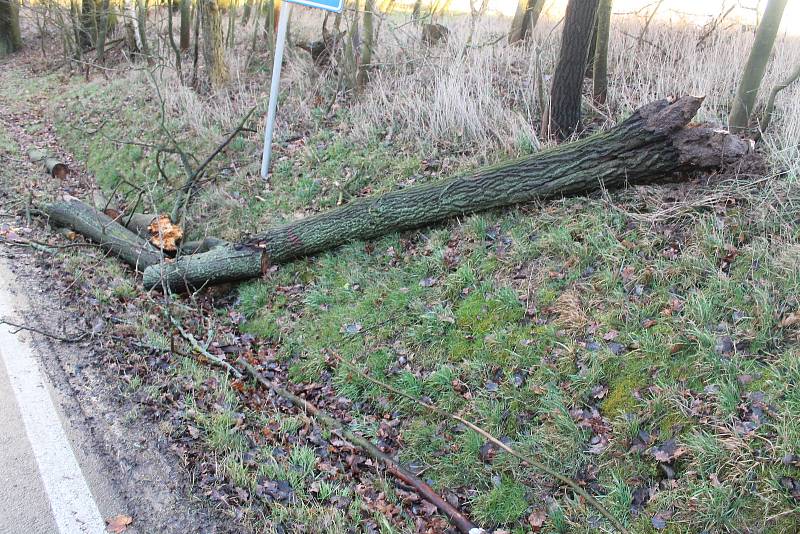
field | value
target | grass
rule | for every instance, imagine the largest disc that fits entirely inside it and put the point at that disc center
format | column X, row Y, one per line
column 584, row 331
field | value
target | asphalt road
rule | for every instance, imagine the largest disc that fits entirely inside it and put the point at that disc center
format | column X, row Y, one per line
column 43, row 488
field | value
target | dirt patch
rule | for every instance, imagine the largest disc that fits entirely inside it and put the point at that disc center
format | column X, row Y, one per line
column 130, row 457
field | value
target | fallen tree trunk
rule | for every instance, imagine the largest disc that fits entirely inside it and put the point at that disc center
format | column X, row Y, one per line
column 653, row 144
column 201, row 245
column 54, row 166
column 100, row 228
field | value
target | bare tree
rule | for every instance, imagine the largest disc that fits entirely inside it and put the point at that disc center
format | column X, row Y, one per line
column 756, row 66
column 367, row 44
column 565, row 97
column 132, row 35
column 600, row 63
column 10, row 36
column 186, row 24
column 213, row 44
column 525, row 19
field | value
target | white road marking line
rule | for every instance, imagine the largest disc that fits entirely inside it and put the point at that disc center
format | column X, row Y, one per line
column 71, row 502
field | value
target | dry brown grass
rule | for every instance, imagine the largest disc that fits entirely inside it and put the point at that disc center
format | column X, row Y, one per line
column 482, row 101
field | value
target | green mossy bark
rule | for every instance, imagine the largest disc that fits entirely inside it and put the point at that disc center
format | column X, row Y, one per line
column 600, row 63
column 756, row 65
column 104, row 231
column 10, row 36
column 650, row 145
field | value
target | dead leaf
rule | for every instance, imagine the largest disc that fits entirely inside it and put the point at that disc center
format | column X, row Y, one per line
column 791, row 320
column 536, row 519
column 668, row 451
column 118, row 523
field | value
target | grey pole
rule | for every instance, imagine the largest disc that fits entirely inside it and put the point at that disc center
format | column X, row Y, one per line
column 280, row 44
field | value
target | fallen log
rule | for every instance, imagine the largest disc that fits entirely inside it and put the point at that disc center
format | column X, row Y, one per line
column 201, row 245
column 54, row 166
column 653, row 144
column 100, row 228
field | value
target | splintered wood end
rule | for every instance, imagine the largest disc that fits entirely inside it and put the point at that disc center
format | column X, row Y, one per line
column 164, row 234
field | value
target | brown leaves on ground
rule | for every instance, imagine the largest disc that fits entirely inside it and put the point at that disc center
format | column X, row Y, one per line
column 164, row 234
column 118, row 523
column 793, row 319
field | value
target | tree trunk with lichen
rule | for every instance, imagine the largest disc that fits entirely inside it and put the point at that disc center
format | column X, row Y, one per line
column 214, row 44
column 525, row 19
column 365, row 61
column 600, row 63
column 653, row 144
column 756, row 65
column 103, row 230
column 10, row 37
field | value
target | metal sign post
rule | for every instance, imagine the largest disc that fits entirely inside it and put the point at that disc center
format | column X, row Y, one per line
column 280, row 44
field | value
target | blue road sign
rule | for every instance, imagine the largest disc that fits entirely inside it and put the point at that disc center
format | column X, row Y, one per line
column 328, row 5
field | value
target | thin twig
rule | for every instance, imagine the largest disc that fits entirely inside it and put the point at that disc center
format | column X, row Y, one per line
column 199, row 349
column 20, row 327
column 462, row 523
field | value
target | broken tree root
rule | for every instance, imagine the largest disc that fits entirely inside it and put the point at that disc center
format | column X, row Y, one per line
column 574, row 486
column 456, row 517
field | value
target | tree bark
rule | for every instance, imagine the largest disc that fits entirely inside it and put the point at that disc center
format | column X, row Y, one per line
column 186, row 24
column 525, row 19
column 600, row 63
column 756, row 65
column 652, row 144
column 214, row 44
column 364, row 65
column 565, row 97
column 104, row 231
column 142, row 27
column 102, row 31
column 132, row 35
column 88, row 25
column 10, row 36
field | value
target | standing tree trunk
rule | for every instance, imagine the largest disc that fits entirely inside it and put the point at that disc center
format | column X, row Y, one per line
column 415, row 12
column 175, row 49
column 10, row 36
column 366, row 45
column 75, row 20
column 102, row 31
column 525, row 19
column 753, row 73
column 214, row 44
column 600, row 64
column 246, row 12
column 651, row 145
column 565, row 96
column 142, row 26
column 88, row 26
column 132, row 36
column 186, row 24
